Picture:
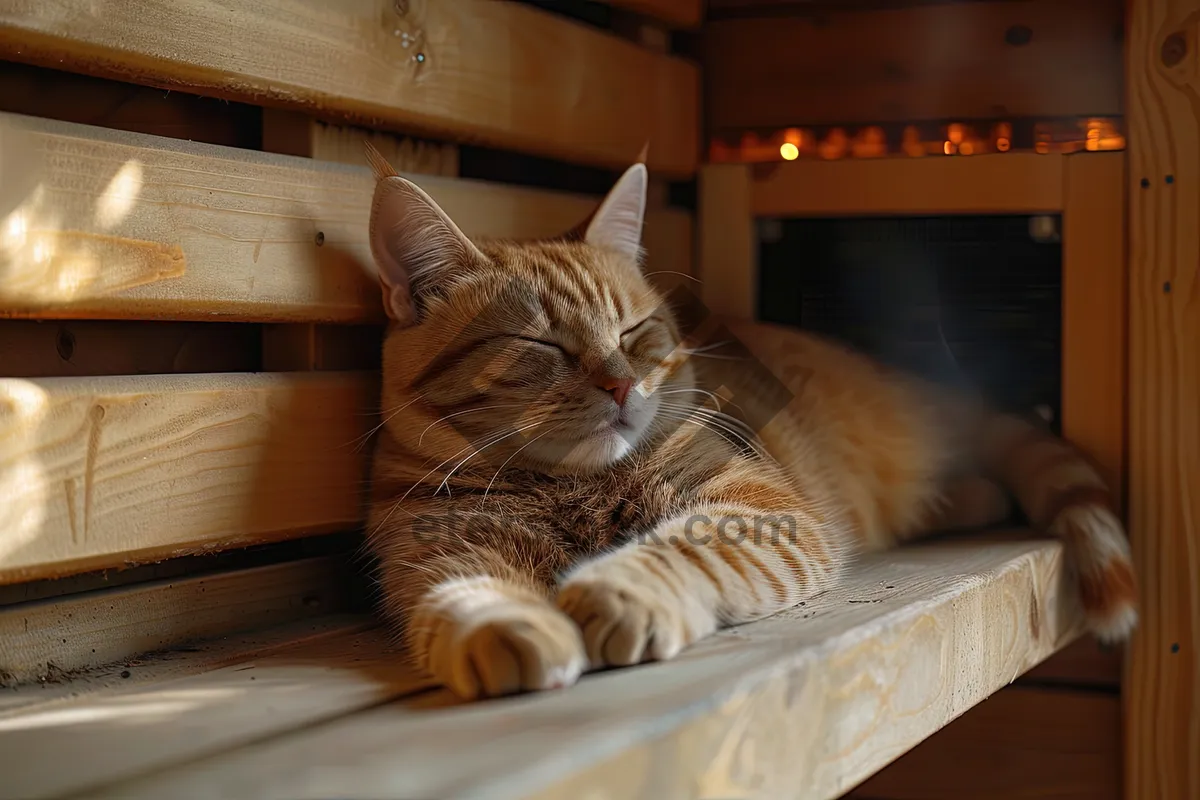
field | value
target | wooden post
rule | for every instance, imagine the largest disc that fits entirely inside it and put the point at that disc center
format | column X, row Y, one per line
column 727, row 240
column 1162, row 681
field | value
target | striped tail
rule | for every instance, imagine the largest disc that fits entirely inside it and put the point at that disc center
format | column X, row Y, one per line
column 1063, row 493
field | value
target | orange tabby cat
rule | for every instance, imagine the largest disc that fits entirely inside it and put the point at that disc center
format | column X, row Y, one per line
column 554, row 488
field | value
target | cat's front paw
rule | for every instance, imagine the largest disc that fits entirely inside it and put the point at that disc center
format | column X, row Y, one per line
column 511, row 648
column 626, row 620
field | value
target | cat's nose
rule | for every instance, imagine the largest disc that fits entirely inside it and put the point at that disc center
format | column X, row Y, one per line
column 617, row 387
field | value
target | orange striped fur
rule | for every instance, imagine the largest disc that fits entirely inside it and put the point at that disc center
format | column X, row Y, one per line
column 558, row 483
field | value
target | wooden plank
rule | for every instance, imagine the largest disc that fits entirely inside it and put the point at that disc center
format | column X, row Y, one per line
column 296, row 134
column 103, row 472
column 1162, row 681
column 1094, row 311
column 1002, row 183
column 112, row 735
column 49, row 640
column 949, row 61
column 503, row 74
column 30, row 349
column 1019, row 744
column 805, row 704
column 728, row 241
column 678, row 13
column 163, row 665
column 191, row 231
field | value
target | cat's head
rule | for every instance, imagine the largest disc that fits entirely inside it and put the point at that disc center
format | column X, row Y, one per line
column 556, row 355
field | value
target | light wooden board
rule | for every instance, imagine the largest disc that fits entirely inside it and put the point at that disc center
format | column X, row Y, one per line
column 805, row 704
column 100, row 472
column 196, row 657
column 1018, row 183
column 1162, row 682
column 191, row 231
column 1019, row 744
column 49, row 640
column 30, row 349
column 106, row 736
column 294, row 133
column 679, row 13
column 503, row 74
column 943, row 61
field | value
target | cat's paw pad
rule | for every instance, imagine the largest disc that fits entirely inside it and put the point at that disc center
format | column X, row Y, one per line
column 624, row 624
column 522, row 647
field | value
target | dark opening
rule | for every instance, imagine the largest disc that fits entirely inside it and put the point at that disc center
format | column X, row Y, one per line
column 966, row 300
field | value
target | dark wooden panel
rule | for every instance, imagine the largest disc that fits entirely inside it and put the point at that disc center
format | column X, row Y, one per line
column 958, row 61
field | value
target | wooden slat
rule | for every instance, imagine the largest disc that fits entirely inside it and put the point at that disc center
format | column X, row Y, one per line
column 1095, row 288
column 68, row 348
column 679, row 13
column 164, row 665
column 503, row 74
column 728, row 258
column 807, row 703
column 1162, row 682
column 945, row 61
column 1020, row 744
column 49, row 640
column 112, row 735
column 190, row 231
column 1017, row 183
column 100, row 472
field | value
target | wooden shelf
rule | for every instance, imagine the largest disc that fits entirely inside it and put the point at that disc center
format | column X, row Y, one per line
column 808, row 703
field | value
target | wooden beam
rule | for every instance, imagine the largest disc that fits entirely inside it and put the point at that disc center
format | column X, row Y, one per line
column 1094, row 329
column 102, row 472
column 818, row 697
column 949, row 61
column 1019, row 744
column 677, row 13
column 504, row 74
column 190, row 231
column 1162, row 681
column 1016, row 183
column 728, row 259
column 48, row 641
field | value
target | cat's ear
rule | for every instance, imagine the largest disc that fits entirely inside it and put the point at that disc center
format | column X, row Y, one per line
column 617, row 223
column 414, row 242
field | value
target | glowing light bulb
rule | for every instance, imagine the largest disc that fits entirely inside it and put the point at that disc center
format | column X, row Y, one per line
column 789, row 151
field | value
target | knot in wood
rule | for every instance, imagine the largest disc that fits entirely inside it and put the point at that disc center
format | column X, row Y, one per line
column 1174, row 48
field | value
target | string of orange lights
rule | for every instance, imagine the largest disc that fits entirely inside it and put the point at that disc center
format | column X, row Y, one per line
column 915, row 140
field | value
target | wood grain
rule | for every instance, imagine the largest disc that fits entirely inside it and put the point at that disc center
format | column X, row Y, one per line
column 102, row 472
column 501, row 74
column 195, row 232
column 1018, row 183
column 48, row 640
column 805, row 704
column 945, row 61
column 1162, row 681
column 107, row 736
column 1019, row 744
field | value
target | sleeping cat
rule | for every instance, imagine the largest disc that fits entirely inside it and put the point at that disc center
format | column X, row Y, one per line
column 562, row 482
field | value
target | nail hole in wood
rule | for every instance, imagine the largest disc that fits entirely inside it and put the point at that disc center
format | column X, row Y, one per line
column 1174, row 48
column 1018, row 35
column 1175, row 647
column 65, row 344
column 320, row 238
column 1170, row 179
column 1145, row 183
column 1167, row 287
